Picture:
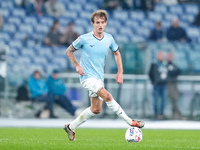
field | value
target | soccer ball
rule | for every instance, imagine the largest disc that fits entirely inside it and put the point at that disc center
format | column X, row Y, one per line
column 133, row 134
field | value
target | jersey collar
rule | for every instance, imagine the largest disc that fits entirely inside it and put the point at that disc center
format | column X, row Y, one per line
column 96, row 37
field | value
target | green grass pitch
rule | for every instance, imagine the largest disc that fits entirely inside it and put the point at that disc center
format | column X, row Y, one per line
column 96, row 139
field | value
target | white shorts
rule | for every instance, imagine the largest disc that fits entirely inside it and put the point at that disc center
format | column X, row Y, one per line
column 93, row 85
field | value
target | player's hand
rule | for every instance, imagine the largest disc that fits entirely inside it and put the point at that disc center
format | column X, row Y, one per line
column 80, row 70
column 119, row 78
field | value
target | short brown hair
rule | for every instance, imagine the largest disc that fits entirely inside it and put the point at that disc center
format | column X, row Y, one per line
column 100, row 13
column 36, row 71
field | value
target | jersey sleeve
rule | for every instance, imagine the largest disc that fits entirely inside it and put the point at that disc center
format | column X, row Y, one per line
column 78, row 43
column 113, row 46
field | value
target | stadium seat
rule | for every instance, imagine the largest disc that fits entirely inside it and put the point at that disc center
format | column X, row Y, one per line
column 161, row 8
column 28, row 52
column 26, row 28
column 7, row 4
column 81, row 22
column 48, row 21
column 40, row 60
column 167, row 46
column 143, row 31
column 184, row 24
column 169, row 16
column 34, row 67
column 45, row 52
column 193, row 33
column 74, row 6
column 20, row 36
column 59, row 51
column 181, row 60
column 120, row 15
column 122, row 39
column 31, row 20
column 132, row 23
column 137, row 38
column 196, row 66
column 10, row 28
column 148, row 24
column 85, row 15
column 138, row 15
column 80, row 30
column 194, row 55
column 19, row 12
column 14, row 20
column 4, row 12
column 111, row 30
column 61, row 61
column 16, row 44
column 50, row 67
column 64, row 21
column 42, row 28
column 166, row 24
column 115, row 23
column 4, row 36
column 187, row 18
column 71, row 14
column 176, row 9
column 13, row 53
column 2, row 42
column 126, row 31
column 155, row 16
column 90, row 8
column 24, row 60
column 191, row 9
column 31, row 43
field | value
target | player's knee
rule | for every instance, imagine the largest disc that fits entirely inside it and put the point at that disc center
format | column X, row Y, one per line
column 96, row 110
column 108, row 97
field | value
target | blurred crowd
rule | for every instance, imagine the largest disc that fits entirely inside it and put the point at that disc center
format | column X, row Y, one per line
column 163, row 72
column 52, row 91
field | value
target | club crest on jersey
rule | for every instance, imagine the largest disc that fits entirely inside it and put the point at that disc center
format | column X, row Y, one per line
column 76, row 41
column 106, row 44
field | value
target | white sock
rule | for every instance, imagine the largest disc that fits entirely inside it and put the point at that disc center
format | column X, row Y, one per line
column 116, row 108
column 85, row 115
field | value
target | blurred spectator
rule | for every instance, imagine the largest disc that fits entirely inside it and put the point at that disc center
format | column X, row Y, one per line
column 55, row 8
column 53, row 36
column 127, row 4
column 69, row 34
column 22, row 93
column 176, row 33
column 173, row 93
column 1, row 21
column 40, row 92
column 36, row 7
column 58, row 89
column 197, row 19
column 157, row 33
column 158, row 77
column 170, row 2
column 22, row 3
column 144, row 4
column 110, row 4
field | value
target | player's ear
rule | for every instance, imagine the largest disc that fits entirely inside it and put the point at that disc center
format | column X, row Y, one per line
column 106, row 22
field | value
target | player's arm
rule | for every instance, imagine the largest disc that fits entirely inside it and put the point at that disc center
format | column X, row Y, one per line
column 70, row 53
column 118, row 59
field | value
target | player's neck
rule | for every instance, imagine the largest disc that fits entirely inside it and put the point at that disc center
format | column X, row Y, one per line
column 98, row 35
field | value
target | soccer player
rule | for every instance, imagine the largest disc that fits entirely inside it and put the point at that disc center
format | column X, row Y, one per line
column 95, row 46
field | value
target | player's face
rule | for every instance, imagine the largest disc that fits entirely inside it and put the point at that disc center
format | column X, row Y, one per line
column 99, row 24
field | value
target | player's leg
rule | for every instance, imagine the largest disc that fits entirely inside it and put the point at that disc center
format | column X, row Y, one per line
column 89, row 112
column 116, row 108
